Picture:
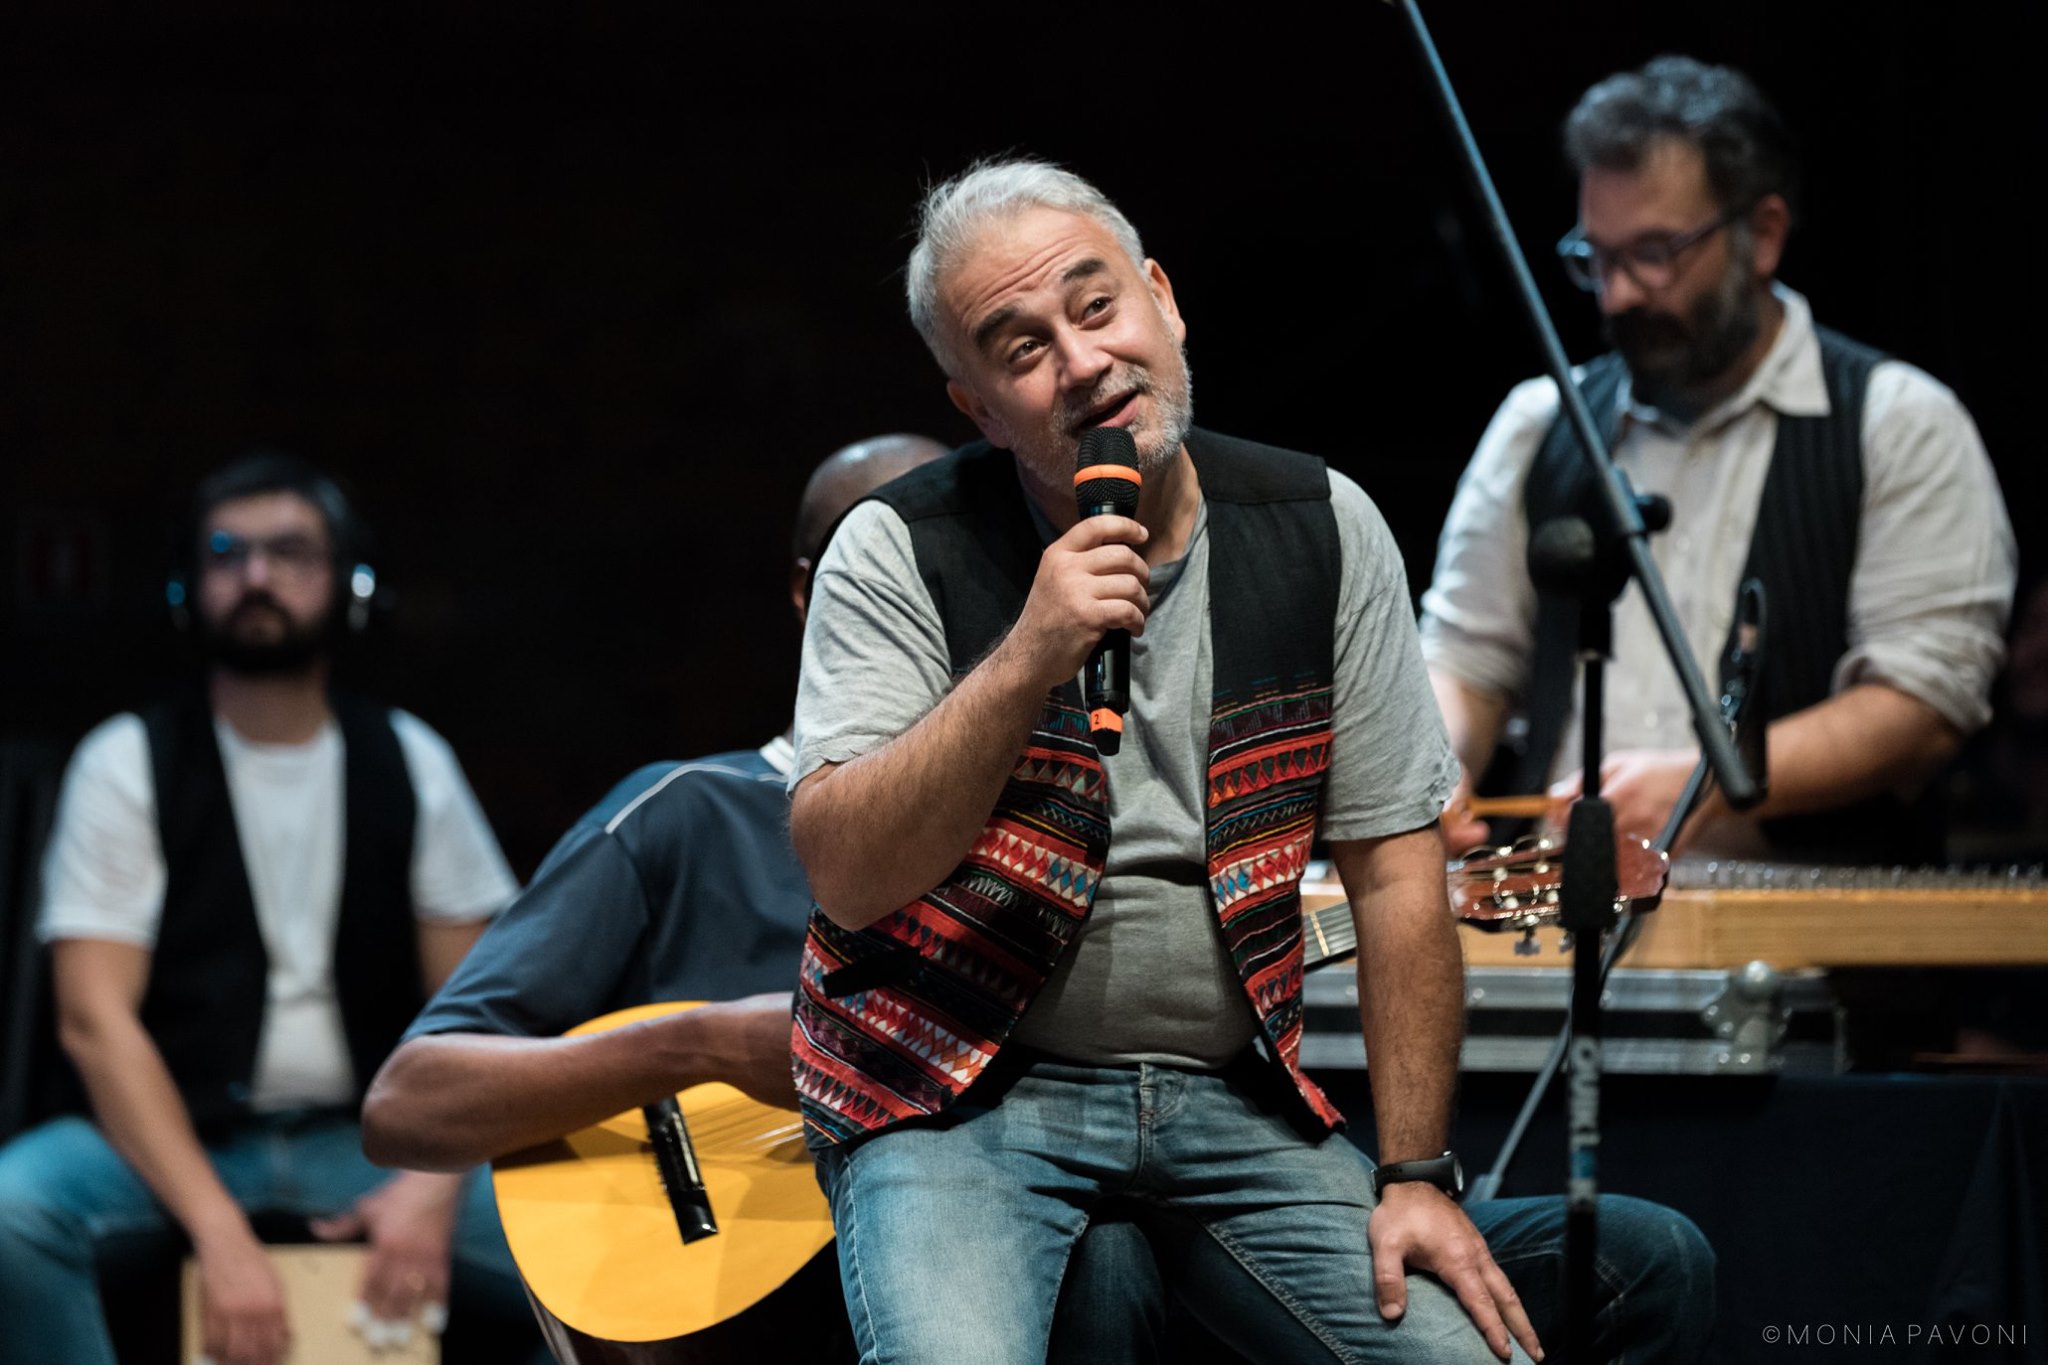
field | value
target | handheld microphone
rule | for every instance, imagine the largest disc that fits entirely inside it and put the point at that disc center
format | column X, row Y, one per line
column 1106, row 481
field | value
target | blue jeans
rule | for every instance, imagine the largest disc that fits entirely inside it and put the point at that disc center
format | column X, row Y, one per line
column 1653, row 1294
column 65, row 1194
column 954, row 1234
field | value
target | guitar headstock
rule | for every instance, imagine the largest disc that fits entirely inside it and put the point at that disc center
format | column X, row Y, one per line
column 1517, row 887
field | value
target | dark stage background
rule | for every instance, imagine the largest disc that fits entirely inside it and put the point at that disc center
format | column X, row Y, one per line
column 573, row 306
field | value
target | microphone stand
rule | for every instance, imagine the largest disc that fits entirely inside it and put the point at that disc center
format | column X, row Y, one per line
column 1740, row 670
column 1589, row 888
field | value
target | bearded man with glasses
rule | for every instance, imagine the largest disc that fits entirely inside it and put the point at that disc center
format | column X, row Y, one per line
column 1855, row 486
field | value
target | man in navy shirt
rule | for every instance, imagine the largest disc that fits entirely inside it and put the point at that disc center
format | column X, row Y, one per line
column 679, row 885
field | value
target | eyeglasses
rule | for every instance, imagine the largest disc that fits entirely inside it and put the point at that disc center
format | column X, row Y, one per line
column 1651, row 262
column 292, row 555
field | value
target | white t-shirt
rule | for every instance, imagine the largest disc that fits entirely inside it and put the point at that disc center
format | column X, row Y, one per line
column 104, row 872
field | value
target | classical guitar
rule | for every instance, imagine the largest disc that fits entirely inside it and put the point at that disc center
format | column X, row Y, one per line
column 595, row 1228
column 1515, row 888
column 629, row 1264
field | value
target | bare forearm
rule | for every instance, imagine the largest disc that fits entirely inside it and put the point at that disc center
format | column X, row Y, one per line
column 144, row 1118
column 1413, row 1018
column 877, row 832
column 1864, row 742
column 1411, row 989
column 444, row 1187
column 446, row 1102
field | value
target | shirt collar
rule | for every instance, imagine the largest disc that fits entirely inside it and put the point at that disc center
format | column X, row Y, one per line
column 1789, row 379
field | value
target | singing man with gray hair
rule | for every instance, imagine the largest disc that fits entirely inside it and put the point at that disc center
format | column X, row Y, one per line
column 1041, row 976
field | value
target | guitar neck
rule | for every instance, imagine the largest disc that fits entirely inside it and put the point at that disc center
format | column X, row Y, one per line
column 1327, row 936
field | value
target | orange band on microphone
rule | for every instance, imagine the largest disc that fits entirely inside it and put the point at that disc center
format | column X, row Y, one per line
column 1102, row 718
column 1107, row 471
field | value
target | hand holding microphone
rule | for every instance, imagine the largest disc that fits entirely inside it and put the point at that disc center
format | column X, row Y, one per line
column 1090, row 588
column 1106, row 483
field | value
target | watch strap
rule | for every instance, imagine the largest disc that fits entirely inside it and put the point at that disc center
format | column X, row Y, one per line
column 1440, row 1171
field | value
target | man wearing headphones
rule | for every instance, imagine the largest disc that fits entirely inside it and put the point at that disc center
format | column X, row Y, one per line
column 250, row 889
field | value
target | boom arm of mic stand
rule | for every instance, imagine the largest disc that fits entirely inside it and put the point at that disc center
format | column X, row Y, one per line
column 1736, row 788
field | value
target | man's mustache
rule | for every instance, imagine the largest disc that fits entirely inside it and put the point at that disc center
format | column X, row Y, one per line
column 1637, row 327
column 253, row 601
column 1134, row 380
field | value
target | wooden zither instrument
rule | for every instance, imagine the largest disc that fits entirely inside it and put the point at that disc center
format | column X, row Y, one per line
column 1723, row 913
column 1717, row 913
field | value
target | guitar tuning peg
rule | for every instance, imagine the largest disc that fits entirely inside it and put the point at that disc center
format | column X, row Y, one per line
column 1526, row 946
column 1564, row 943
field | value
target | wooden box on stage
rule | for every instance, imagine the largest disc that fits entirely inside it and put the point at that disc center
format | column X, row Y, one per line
column 320, row 1287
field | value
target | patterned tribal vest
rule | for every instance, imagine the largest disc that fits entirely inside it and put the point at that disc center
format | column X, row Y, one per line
column 896, row 1020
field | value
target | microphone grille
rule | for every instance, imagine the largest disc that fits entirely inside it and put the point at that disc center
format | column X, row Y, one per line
column 1108, row 446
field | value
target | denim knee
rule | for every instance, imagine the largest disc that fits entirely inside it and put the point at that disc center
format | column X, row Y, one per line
column 1646, row 1234
column 1436, row 1330
column 33, row 1228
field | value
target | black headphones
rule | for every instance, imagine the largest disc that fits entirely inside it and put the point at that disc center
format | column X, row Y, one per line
column 355, row 581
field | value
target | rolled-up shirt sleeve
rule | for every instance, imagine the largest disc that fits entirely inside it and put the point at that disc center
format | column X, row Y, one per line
column 1479, row 614
column 1936, row 560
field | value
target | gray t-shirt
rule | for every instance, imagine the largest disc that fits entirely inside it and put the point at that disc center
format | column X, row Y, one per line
column 1147, row 977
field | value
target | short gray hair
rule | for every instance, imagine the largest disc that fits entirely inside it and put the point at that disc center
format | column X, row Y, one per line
column 954, row 212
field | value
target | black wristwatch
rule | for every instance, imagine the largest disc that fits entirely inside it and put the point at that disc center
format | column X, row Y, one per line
column 1444, row 1172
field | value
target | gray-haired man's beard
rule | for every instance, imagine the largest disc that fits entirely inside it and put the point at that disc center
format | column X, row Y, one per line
column 1158, row 440
column 1674, row 362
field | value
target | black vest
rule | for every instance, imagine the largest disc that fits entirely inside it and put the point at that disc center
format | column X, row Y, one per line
column 209, row 973
column 896, row 1020
column 1804, row 551
column 1271, row 562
